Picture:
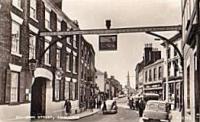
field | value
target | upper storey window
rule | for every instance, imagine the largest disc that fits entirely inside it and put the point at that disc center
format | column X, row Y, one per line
column 17, row 3
column 47, row 18
column 33, row 9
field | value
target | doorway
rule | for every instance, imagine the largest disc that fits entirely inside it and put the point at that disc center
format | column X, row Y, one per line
column 38, row 97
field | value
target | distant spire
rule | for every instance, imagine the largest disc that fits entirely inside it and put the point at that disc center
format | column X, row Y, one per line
column 128, row 80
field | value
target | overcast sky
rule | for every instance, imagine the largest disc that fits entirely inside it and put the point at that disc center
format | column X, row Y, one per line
column 92, row 14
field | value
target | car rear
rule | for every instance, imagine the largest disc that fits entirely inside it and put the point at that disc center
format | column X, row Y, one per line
column 156, row 110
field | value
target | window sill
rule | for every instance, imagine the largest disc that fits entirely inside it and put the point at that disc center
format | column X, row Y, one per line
column 16, row 54
column 68, row 70
column 19, row 8
column 35, row 19
column 47, row 64
column 49, row 29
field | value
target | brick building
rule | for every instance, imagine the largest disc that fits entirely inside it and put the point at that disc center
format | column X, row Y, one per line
column 56, row 76
column 149, row 72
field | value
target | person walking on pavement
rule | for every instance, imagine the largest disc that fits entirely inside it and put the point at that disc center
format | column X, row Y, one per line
column 141, row 107
column 67, row 106
column 137, row 104
column 91, row 102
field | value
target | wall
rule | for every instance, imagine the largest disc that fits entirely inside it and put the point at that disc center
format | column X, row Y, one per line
column 189, row 61
column 10, row 112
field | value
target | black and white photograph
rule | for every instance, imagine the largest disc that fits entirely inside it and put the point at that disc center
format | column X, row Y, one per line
column 99, row 61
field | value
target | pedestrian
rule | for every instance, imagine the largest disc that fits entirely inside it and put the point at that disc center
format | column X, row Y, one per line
column 67, row 106
column 131, row 103
column 104, row 108
column 91, row 101
column 137, row 104
column 141, row 107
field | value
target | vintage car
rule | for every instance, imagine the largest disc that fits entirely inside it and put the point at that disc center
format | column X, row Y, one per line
column 157, row 111
column 109, row 107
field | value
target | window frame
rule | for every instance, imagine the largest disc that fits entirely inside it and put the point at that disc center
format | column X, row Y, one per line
column 17, row 87
column 47, row 19
column 15, row 38
column 47, row 53
column 32, row 47
column 34, row 8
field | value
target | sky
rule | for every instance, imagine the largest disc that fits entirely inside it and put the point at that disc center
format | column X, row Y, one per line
column 91, row 14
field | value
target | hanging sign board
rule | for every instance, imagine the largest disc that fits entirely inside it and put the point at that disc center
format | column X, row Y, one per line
column 107, row 42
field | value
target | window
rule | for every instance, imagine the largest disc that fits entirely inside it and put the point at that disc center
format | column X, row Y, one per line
column 175, row 52
column 74, row 41
column 15, row 37
column 176, row 69
column 74, row 64
column 32, row 43
column 33, row 9
column 154, row 74
column 47, row 19
column 58, row 57
column 169, row 68
column 57, row 90
column 58, row 25
column 150, row 78
column 47, row 55
column 73, row 91
column 188, row 87
column 16, row 3
column 14, row 87
column 168, row 52
column 68, row 40
column 67, row 62
column 146, row 76
column 67, row 89
column 160, row 73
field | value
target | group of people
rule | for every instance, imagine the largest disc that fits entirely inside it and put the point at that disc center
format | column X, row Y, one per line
column 90, row 103
column 137, row 104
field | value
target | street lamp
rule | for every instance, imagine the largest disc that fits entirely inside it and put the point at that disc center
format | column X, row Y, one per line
column 32, row 65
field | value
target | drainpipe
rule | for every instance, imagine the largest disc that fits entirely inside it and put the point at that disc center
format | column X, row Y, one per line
column 198, row 62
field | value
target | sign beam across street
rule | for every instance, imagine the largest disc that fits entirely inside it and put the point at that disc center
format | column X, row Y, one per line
column 113, row 30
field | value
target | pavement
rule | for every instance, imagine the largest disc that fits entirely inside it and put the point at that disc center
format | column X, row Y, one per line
column 79, row 115
column 176, row 116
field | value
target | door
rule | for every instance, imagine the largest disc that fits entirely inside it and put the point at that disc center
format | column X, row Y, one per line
column 38, row 97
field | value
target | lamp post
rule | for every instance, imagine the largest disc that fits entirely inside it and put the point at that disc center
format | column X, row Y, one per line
column 168, row 42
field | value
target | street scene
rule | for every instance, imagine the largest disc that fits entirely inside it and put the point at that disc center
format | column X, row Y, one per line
column 96, row 61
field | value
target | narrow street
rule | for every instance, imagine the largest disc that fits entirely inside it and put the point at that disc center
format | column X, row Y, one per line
column 124, row 115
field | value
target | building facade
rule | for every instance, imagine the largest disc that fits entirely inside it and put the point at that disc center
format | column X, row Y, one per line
column 191, row 52
column 153, row 78
column 173, row 71
column 55, row 78
column 150, row 72
column 139, row 77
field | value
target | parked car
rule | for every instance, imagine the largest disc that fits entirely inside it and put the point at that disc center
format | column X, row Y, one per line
column 109, row 107
column 150, row 96
column 157, row 111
